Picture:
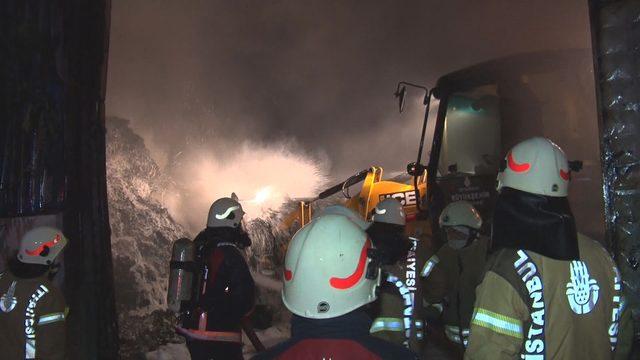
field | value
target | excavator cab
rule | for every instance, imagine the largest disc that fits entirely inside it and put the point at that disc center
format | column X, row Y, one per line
column 463, row 144
column 476, row 114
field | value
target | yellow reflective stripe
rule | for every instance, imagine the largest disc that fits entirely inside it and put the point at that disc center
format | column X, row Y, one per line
column 429, row 265
column 386, row 324
column 497, row 322
column 50, row 318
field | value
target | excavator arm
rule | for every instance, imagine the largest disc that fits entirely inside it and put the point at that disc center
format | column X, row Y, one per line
column 374, row 189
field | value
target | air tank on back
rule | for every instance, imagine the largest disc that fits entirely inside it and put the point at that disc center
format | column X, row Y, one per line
column 182, row 274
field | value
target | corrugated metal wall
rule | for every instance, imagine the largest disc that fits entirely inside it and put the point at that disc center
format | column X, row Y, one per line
column 616, row 44
column 52, row 149
column 32, row 109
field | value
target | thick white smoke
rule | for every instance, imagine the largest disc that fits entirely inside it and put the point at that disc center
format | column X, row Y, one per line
column 263, row 176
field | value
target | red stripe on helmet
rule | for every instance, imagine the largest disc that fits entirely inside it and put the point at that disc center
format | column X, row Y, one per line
column 40, row 248
column 565, row 175
column 514, row 166
column 288, row 275
column 351, row 280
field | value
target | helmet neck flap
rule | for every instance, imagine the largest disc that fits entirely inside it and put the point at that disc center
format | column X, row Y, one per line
column 542, row 224
column 25, row 270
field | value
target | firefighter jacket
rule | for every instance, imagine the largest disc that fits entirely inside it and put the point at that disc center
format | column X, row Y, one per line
column 32, row 318
column 534, row 307
column 226, row 291
column 450, row 278
column 396, row 316
column 342, row 338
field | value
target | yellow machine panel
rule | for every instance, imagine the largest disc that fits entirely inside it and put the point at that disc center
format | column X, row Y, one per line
column 374, row 190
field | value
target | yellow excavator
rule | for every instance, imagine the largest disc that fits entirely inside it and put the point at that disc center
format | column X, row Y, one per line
column 374, row 189
column 472, row 117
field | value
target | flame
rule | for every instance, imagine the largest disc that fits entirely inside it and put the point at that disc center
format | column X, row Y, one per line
column 262, row 195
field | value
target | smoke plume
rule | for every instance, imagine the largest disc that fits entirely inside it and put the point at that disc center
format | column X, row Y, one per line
column 264, row 177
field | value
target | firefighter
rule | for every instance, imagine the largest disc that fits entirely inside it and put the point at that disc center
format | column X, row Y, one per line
column 329, row 276
column 225, row 293
column 453, row 273
column 32, row 309
column 396, row 317
column 548, row 291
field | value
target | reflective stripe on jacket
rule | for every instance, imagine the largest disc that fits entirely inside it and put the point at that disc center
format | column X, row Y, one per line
column 536, row 307
column 32, row 316
column 399, row 319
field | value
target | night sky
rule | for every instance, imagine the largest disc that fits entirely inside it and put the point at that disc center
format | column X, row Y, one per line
column 316, row 75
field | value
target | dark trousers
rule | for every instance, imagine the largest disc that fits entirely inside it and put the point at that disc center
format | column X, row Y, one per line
column 214, row 350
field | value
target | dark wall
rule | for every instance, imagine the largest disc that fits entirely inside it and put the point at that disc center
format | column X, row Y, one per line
column 52, row 160
column 616, row 40
column 32, row 107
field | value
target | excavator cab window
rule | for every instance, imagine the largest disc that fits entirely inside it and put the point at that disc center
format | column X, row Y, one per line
column 470, row 150
column 471, row 137
column 489, row 107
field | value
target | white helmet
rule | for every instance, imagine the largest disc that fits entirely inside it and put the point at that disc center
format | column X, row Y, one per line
column 536, row 166
column 41, row 245
column 460, row 213
column 345, row 211
column 225, row 212
column 326, row 268
column 389, row 211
